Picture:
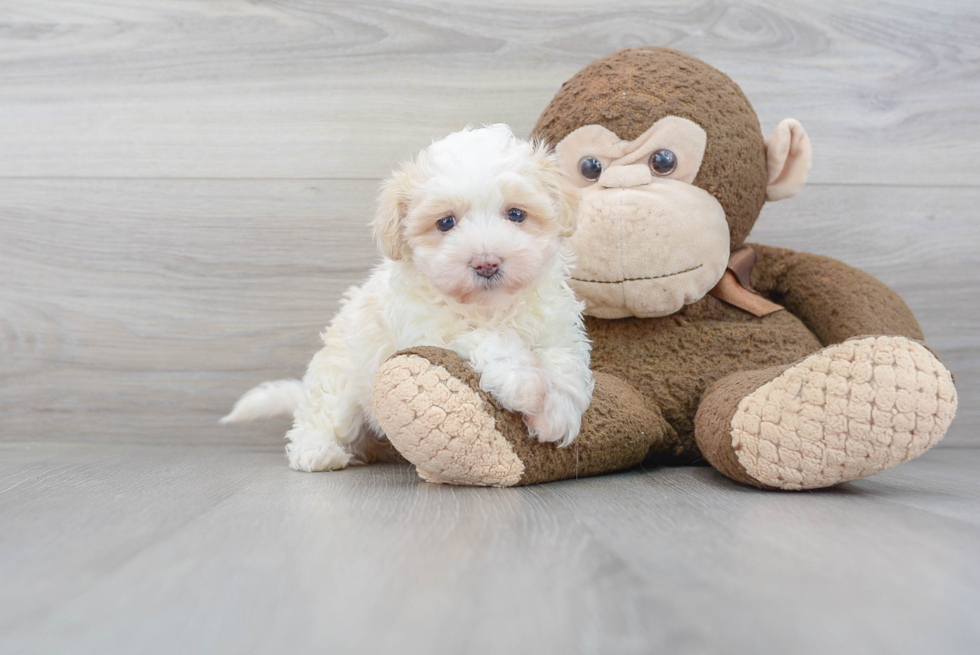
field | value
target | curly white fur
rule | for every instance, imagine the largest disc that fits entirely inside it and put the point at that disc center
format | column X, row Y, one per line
column 521, row 329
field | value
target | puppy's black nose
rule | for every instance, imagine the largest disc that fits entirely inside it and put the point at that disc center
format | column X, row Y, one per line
column 485, row 265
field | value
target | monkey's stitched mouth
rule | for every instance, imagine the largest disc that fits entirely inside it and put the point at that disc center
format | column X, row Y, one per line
column 638, row 279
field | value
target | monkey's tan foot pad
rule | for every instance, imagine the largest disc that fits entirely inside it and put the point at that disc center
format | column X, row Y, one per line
column 846, row 412
column 442, row 425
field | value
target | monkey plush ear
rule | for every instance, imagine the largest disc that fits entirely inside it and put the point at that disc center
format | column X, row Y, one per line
column 787, row 160
column 392, row 209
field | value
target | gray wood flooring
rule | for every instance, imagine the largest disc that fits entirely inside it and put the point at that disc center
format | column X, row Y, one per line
column 184, row 192
column 167, row 548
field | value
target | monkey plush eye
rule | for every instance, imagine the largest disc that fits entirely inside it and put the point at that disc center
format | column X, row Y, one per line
column 663, row 162
column 516, row 215
column 446, row 224
column 590, row 167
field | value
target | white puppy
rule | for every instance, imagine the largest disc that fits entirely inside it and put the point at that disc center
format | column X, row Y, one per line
column 473, row 236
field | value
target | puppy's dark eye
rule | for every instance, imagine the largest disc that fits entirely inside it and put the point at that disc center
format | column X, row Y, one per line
column 663, row 162
column 446, row 224
column 516, row 215
column 590, row 167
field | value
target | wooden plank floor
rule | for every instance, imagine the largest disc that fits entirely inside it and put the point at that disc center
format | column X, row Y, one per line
column 184, row 192
column 222, row 549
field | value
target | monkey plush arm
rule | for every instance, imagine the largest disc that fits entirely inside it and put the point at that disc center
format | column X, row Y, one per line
column 835, row 301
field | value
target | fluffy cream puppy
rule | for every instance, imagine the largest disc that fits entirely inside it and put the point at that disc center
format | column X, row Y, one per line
column 473, row 232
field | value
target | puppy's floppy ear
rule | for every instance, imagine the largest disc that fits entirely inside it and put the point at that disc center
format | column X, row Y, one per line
column 392, row 210
column 564, row 194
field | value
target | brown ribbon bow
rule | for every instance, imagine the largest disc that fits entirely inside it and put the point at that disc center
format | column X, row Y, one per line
column 735, row 287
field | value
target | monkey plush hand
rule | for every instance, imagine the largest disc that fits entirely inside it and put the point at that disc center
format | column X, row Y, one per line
column 782, row 369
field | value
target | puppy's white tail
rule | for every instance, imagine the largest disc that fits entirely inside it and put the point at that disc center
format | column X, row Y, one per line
column 268, row 400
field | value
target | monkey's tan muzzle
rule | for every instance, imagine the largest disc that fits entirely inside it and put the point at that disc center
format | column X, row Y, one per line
column 647, row 249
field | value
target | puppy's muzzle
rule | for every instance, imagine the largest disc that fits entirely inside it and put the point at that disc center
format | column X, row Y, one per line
column 486, row 265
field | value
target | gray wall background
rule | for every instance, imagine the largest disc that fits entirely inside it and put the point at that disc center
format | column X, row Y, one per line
column 185, row 186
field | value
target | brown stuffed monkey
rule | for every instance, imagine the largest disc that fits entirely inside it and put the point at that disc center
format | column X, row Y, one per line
column 783, row 370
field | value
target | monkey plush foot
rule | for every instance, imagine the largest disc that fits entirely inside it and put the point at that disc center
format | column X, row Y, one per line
column 846, row 412
column 430, row 405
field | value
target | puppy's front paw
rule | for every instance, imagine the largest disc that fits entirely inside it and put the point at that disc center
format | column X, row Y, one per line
column 559, row 420
column 518, row 388
column 315, row 450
